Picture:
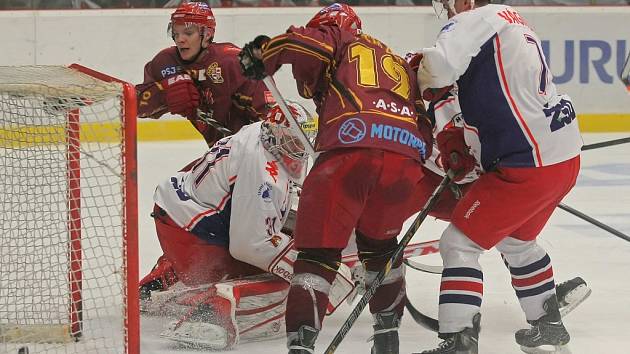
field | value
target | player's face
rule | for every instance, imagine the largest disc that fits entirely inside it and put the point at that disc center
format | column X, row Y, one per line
column 188, row 40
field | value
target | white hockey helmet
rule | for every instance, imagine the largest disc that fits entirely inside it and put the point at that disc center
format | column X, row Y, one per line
column 280, row 140
column 447, row 7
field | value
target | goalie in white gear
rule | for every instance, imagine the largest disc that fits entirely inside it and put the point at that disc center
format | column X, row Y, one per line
column 220, row 219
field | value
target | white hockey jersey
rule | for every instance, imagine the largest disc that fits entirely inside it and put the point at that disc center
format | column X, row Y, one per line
column 237, row 194
column 505, row 88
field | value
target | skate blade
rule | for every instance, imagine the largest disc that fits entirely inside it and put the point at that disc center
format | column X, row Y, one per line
column 574, row 298
column 198, row 335
column 547, row 349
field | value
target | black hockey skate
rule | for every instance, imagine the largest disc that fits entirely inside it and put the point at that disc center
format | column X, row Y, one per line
column 385, row 333
column 547, row 334
column 571, row 293
column 302, row 341
column 464, row 342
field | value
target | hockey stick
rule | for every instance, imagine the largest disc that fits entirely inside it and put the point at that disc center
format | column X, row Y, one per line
column 438, row 269
column 593, row 221
column 369, row 292
column 576, row 294
column 432, row 269
column 293, row 123
column 624, row 75
column 606, row 144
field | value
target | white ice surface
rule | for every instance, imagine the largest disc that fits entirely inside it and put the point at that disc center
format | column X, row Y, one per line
column 601, row 325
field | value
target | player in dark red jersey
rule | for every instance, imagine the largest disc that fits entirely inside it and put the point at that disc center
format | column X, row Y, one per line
column 197, row 73
column 371, row 152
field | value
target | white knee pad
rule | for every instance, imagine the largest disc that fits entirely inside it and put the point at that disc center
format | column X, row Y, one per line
column 457, row 250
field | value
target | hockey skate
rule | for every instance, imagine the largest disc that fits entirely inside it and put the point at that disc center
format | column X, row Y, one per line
column 464, row 342
column 547, row 334
column 571, row 293
column 385, row 333
column 302, row 341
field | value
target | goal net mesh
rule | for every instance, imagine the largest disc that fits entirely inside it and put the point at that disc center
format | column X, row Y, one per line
column 62, row 244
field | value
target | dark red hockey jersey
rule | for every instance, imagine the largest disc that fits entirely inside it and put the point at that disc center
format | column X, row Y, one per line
column 226, row 95
column 366, row 96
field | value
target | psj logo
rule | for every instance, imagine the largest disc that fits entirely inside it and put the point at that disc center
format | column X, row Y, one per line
column 592, row 56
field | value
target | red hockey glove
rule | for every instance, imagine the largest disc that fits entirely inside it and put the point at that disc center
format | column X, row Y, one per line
column 454, row 153
column 182, row 96
column 414, row 60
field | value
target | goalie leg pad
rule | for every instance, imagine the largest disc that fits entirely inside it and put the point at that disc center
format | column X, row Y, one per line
column 231, row 312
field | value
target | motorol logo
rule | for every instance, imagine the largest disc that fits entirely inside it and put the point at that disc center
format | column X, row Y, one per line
column 397, row 135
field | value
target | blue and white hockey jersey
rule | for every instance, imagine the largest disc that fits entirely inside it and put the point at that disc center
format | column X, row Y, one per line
column 237, row 194
column 505, row 88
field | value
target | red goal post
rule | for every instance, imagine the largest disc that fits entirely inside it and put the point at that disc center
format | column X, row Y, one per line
column 68, row 205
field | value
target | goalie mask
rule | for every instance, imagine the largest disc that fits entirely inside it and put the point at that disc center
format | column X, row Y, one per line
column 340, row 15
column 194, row 14
column 282, row 142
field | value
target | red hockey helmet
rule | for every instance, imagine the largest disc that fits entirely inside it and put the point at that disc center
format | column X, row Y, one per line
column 340, row 15
column 194, row 13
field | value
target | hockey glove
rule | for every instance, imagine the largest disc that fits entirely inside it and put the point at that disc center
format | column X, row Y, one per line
column 454, row 154
column 250, row 58
column 182, row 96
column 414, row 59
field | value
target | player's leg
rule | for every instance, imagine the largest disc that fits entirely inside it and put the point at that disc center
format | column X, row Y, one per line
column 493, row 208
column 188, row 259
column 380, row 222
column 505, row 198
column 332, row 199
column 530, row 266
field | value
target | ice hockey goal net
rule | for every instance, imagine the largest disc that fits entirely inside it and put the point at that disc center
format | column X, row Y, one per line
column 68, row 210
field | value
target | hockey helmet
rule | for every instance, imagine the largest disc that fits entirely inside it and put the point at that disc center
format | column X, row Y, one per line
column 340, row 15
column 194, row 14
column 447, row 7
column 282, row 142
